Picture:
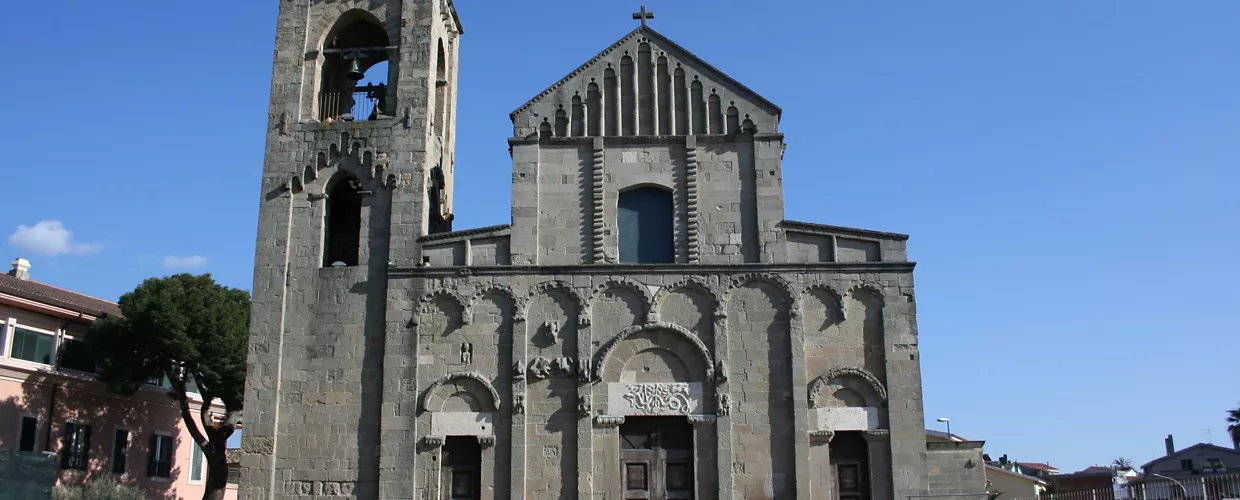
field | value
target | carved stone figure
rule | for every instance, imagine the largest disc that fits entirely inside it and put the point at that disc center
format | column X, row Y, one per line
column 723, row 404
column 540, row 368
column 721, row 372
column 583, row 369
column 518, row 371
column 467, row 353
column 564, row 367
column 518, row 404
column 583, row 406
column 553, row 331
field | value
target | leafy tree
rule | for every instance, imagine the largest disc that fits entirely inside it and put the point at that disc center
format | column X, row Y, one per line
column 189, row 331
column 1233, row 427
column 1121, row 463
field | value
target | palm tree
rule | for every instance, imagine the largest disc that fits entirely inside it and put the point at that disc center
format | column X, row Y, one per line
column 1233, row 427
column 1121, row 463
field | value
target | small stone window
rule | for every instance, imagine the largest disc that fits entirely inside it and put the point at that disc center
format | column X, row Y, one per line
column 645, row 219
column 343, row 223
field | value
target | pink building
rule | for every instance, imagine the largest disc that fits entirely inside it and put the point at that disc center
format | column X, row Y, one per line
column 51, row 403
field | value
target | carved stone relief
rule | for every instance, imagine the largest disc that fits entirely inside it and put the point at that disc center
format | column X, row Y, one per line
column 655, row 398
column 540, row 368
column 518, row 404
column 563, row 367
column 723, row 404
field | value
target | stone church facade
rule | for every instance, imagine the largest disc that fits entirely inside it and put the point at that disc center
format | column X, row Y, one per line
column 648, row 326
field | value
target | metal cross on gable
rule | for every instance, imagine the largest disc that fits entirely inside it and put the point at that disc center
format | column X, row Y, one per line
column 643, row 15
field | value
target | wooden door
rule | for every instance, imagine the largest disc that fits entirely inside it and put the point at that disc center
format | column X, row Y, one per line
column 656, row 455
column 850, row 463
column 462, row 469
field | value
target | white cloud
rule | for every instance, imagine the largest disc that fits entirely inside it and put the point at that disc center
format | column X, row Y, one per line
column 49, row 237
column 190, row 261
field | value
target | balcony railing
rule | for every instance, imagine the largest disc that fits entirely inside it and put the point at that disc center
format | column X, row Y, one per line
column 362, row 104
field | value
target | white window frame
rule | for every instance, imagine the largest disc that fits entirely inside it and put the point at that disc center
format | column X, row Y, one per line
column 173, row 459
column 13, row 326
column 128, row 448
column 8, row 337
column 202, row 472
column 38, row 423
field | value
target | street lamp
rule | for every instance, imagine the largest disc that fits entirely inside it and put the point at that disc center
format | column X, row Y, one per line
column 947, row 421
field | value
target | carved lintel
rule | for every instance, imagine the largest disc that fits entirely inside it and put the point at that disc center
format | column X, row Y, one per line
column 823, row 436
column 432, row 441
column 661, row 398
column 877, row 435
column 701, row 419
column 609, row 420
column 583, row 406
column 486, row 441
column 723, row 404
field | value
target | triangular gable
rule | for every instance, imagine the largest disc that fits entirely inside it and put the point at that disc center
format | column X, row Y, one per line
column 711, row 77
column 1227, row 451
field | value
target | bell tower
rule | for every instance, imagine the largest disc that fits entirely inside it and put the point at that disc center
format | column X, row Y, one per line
column 359, row 164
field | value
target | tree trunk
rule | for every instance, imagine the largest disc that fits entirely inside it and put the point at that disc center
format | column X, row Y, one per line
column 216, row 456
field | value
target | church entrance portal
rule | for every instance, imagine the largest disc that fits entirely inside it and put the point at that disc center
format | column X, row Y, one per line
column 656, row 458
column 851, row 465
column 462, row 468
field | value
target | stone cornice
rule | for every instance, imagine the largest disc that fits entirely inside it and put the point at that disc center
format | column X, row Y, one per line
column 812, row 228
column 621, row 269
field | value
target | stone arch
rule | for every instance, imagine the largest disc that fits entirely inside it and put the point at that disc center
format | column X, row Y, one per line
column 871, row 288
column 428, row 303
column 518, row 303
column 433, row 398
column 698, row 284
column 605, row 353
column 583, row 309
column 836, row 298
column 342, row 220
column 794, row 301
column 853, row 378
column 641, row 291
column 706, row 302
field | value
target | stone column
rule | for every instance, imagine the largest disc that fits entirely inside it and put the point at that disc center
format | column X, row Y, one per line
column 723, row 407
column 520, row 340
column 585, row 408
column 878, row 444
column 800, row 398
column 487, row 473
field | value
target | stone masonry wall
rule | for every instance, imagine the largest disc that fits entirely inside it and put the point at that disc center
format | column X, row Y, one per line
column 546, row 347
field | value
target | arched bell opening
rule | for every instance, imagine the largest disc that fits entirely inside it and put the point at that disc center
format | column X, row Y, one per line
column 355, row 70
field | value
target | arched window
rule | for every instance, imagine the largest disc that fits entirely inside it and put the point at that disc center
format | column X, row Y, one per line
column 343, row 222
column 441, row 90
column 645, row 223
column 357, row 44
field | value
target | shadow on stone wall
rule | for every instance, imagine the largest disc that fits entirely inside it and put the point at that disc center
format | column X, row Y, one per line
column 87, row 401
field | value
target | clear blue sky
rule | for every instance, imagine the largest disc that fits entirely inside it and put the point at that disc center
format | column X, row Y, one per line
column 1066, row 170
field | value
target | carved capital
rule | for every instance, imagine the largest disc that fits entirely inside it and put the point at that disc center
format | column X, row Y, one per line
column 701, row 419
column 583, row 406
column 486, row 441
column 609, row 420
column 823, row 436
column 877, row 435
column 432, row 441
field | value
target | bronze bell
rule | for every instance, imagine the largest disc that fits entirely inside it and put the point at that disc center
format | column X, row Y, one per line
column 355, row 70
